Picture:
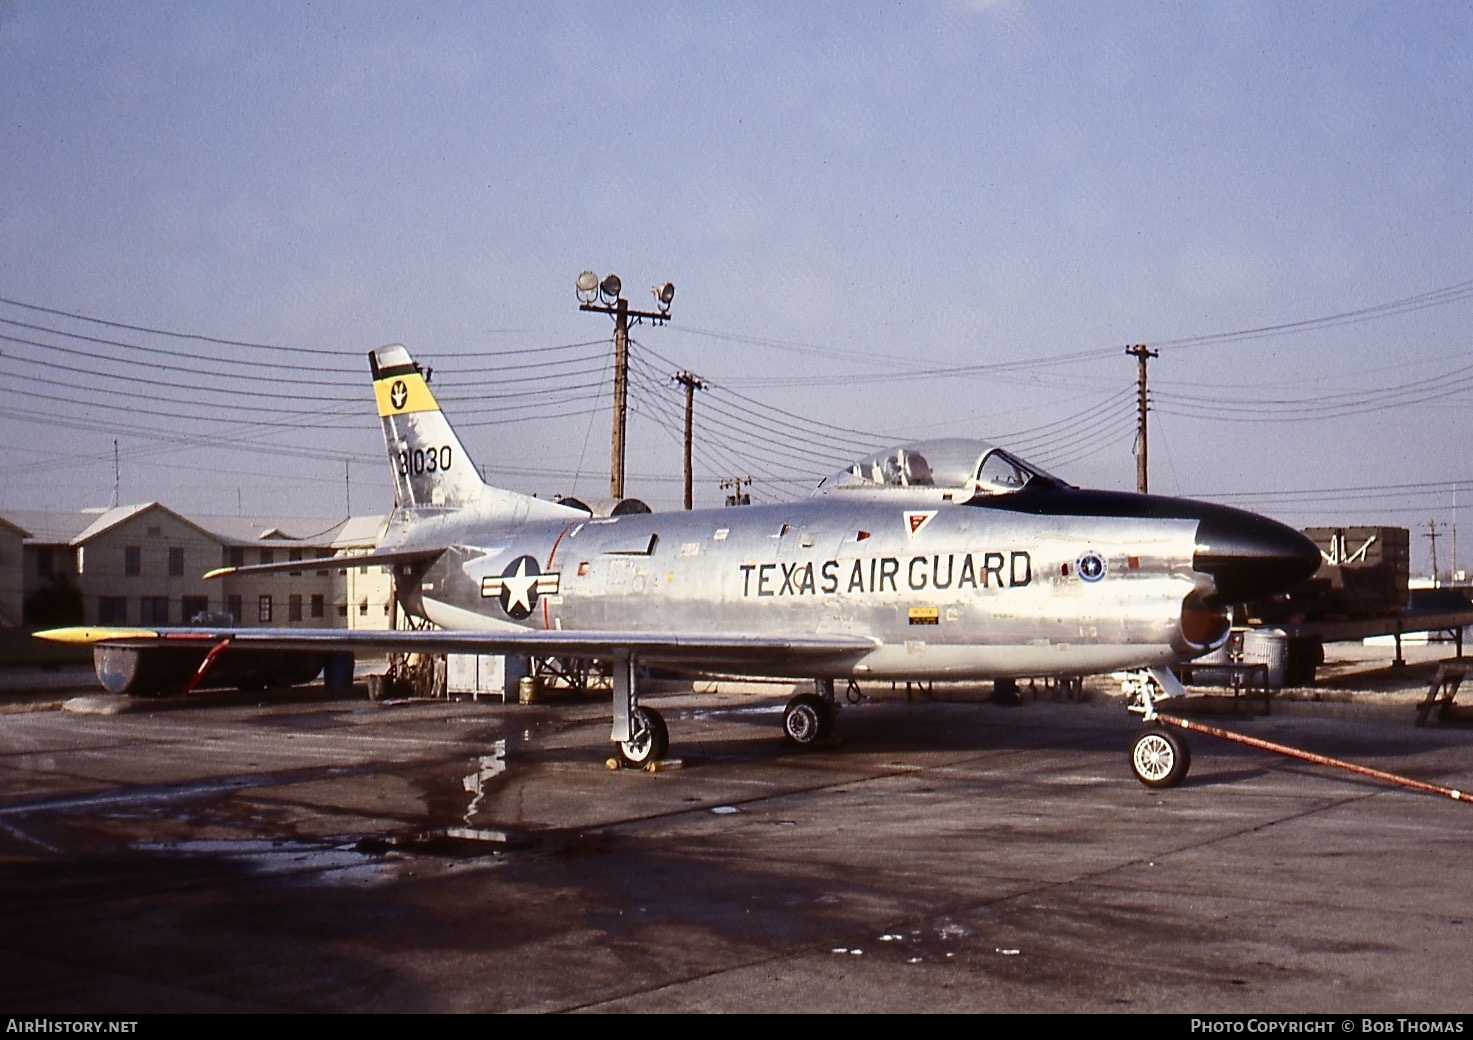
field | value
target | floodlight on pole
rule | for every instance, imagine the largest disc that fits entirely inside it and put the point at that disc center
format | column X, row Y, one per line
column 595, row 294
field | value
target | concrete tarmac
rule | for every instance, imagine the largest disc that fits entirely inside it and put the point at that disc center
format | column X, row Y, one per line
column 309, row 853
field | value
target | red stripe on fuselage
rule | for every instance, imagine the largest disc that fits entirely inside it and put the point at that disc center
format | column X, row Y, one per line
column 552, row 555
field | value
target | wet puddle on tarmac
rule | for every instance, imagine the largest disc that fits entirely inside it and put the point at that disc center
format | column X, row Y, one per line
column 346, row 859
column 469, row 837
column 327, row 860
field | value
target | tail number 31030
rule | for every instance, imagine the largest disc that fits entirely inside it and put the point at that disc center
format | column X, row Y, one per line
column 424, row 460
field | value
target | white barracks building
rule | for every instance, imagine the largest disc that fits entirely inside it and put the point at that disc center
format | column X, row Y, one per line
column 145, row 565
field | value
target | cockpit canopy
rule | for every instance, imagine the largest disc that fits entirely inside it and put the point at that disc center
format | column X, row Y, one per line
column 957, row 468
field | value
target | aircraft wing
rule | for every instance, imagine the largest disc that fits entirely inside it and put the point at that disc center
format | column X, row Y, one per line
column 740, row 651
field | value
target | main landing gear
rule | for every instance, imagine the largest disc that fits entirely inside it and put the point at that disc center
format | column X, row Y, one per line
column 648, row 741
column 1159, row 757
column 642, row 738
column 809, row 717
column 640, row 734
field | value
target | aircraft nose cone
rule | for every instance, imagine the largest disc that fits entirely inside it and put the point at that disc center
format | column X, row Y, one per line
column 1250, row 556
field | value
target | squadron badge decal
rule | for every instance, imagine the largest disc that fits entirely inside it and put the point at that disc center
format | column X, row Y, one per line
column 1091, row 566
column 520, row 586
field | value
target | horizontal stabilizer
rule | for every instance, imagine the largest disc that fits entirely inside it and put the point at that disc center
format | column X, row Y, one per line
column 369, row 559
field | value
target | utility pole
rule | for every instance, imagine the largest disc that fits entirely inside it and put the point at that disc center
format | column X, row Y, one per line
column 734, row 485
column 1431, row 526
column 1142, row 470
column 603, row 295
column 692, row 383
column 621, row 397
column 1453, row 571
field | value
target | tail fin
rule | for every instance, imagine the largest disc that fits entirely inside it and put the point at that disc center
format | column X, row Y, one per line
column 432, row 472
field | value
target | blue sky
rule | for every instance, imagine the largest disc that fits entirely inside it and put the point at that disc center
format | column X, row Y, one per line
column 854, row 200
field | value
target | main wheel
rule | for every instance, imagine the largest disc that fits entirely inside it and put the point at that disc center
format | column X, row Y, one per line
column 807, row 718
column 1159, row 757
column 648, row 738
column 1005, row 693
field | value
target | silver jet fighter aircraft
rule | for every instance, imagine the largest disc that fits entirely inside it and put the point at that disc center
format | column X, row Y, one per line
column 940, row 560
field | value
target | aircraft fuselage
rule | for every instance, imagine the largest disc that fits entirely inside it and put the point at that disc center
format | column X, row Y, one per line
column 942, row 590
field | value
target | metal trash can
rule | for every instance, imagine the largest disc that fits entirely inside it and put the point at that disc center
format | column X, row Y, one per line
column 529, row 689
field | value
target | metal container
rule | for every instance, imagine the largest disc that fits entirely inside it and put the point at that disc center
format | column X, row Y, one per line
column 1267, row 646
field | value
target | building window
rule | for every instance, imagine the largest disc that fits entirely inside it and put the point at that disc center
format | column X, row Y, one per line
column 263, row 610
column 323, row 554
column 233, row 607
column 132, row 561
column 363, row 607
column 112, row 610
column 319, row 605
column 268, row 556
column 294, row 607
column 295, row 555
column 176, row 561
column 237, row 556
column 194, row 609
column 342, row 610
column 153, row 610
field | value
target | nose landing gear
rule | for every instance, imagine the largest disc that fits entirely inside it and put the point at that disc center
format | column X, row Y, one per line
column 1158, row 757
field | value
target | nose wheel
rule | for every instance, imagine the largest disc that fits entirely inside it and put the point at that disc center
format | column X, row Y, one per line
column 1160, row 758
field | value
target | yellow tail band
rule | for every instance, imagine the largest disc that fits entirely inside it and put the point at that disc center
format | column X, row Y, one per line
column 399, row 393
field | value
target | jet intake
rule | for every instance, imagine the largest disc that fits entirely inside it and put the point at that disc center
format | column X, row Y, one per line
column 1204, row 626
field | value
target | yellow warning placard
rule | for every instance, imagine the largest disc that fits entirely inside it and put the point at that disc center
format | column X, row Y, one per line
column 925, row 615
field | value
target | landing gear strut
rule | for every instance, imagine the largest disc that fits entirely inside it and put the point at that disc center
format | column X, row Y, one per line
column 1158, row 757
column 639, row 733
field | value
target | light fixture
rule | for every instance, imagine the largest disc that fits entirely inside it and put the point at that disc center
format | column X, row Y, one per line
column 610, row 287
column 587, row 287
column 663, row 295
